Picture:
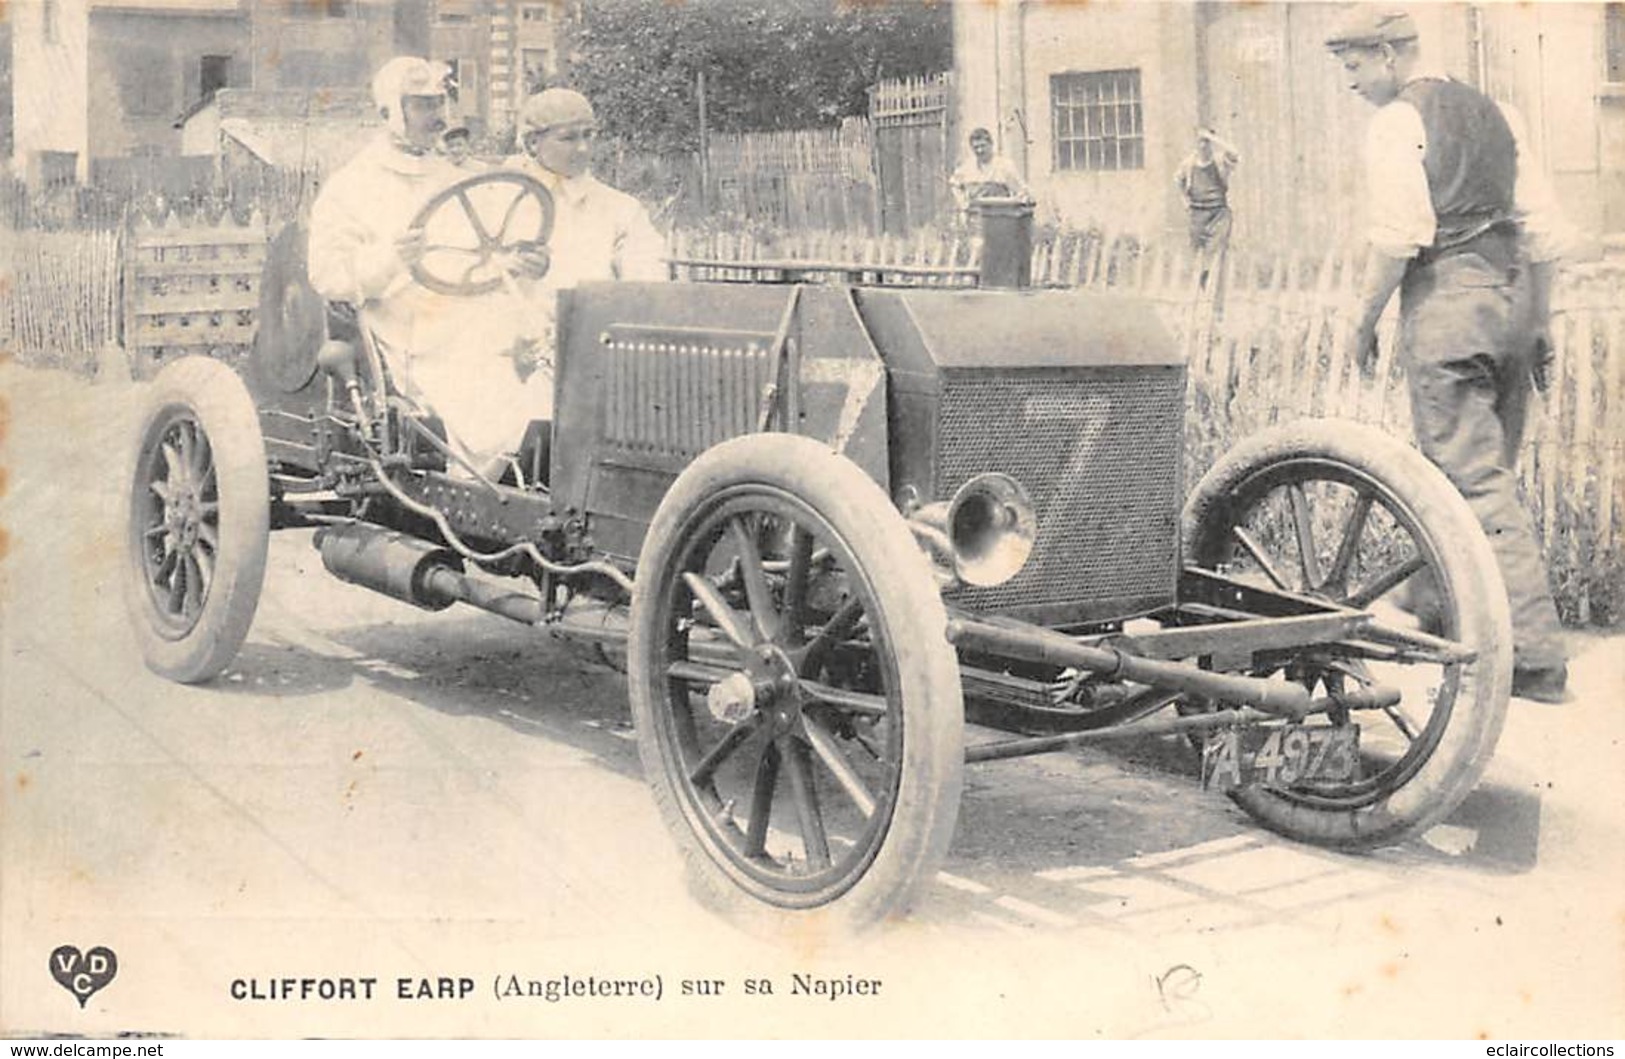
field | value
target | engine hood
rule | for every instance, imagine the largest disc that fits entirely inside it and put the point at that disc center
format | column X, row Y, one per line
column 922, row 332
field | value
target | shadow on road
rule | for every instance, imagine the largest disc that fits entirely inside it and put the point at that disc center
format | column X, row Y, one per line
column 1116, row 836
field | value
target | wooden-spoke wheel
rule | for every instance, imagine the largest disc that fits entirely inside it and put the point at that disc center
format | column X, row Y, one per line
column 475, row 230
column 197, row 521
column 1341, row 512
column 797, row 702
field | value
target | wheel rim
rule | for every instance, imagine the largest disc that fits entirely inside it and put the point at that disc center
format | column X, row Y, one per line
column 777, row 698
column 176, row 521
column 1319, row 527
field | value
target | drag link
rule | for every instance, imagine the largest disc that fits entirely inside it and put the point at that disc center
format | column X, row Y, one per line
column 1037, row 644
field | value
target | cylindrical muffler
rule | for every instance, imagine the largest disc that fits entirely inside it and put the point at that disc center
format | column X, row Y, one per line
column 392, row 563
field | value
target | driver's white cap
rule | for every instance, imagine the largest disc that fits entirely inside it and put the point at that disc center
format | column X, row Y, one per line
column 408, row 75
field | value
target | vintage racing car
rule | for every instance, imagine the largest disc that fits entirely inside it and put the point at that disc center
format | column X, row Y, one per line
column 827, row 522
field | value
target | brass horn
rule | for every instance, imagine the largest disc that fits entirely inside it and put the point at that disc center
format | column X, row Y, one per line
column 988, row 528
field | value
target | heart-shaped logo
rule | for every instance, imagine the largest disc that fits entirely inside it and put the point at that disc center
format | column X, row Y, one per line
column 82, row 973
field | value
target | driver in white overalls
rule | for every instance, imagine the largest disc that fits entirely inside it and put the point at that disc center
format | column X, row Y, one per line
column 458, row 355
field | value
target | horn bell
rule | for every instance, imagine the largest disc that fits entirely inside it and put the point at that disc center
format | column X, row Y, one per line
column 992, row 526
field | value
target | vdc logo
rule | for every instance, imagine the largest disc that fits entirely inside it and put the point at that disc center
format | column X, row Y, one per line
column 83, row 973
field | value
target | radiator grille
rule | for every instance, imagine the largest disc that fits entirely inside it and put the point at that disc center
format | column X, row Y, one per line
column 678, row 391
column 1100, row 455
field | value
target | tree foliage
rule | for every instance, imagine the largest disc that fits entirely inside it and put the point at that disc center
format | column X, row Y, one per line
column 768, row 64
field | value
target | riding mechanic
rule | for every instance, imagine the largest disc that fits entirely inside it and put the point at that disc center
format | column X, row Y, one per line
column 599, row 233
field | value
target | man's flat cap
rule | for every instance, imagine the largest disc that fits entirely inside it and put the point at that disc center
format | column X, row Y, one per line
column 1368, row 26
column 556, row 107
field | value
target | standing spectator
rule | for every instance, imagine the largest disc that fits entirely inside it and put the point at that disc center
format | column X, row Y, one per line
column 1204, row 183
column 1462, row 225
column 985, row 174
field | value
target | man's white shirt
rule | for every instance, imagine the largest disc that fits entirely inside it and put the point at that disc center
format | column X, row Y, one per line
column 1401, row 220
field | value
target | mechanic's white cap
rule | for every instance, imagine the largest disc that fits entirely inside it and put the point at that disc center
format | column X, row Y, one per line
column 406, row 75
column 554, row 107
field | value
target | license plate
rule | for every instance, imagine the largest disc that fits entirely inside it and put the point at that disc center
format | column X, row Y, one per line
column 1290, row 755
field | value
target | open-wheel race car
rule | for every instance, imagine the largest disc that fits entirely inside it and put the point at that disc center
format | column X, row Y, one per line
column 828, row 523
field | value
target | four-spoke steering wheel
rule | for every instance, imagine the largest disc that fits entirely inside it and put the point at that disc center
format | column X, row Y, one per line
column 480, row 230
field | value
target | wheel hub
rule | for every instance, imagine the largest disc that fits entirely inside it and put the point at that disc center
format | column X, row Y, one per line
column 731, row 699
column 766, row 683
column 182, row 515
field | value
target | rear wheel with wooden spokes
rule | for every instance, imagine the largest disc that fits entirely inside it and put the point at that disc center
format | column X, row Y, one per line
column 1341, row 512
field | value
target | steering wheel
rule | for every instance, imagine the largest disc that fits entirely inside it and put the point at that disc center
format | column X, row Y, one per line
column 480, row 230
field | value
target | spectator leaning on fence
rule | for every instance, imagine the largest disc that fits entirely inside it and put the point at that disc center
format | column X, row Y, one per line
column 458, row 354
column 1463, row 226
column 985, row 174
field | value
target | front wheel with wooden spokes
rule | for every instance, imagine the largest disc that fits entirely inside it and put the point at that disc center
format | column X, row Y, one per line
column 797, row 702
column 1341, row 512
column 197, row 520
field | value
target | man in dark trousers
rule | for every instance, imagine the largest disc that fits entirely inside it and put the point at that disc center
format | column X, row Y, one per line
column 1462, row 225
column 1204, row 183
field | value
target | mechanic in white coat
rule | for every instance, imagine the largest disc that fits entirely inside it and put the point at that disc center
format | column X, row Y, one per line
column 459, row 355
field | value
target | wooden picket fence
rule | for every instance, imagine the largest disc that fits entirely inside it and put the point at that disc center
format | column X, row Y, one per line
column 883, row 172
column 59, row 297
column 191, row 289
column 801, row 179
column 912, row 150
column 1263, row 338
column 906, row 98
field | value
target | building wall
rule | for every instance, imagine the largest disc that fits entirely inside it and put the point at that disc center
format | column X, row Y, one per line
column 1283, row 99
column 1548, row 60
column 50, row 110
column 300, row 47
column 524, row 51
column 1005, row 56
column 978, row 102
column 1277, row 94
column 460, row 33
column 1156, row 39
column 145, row 70
column 509, row 44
